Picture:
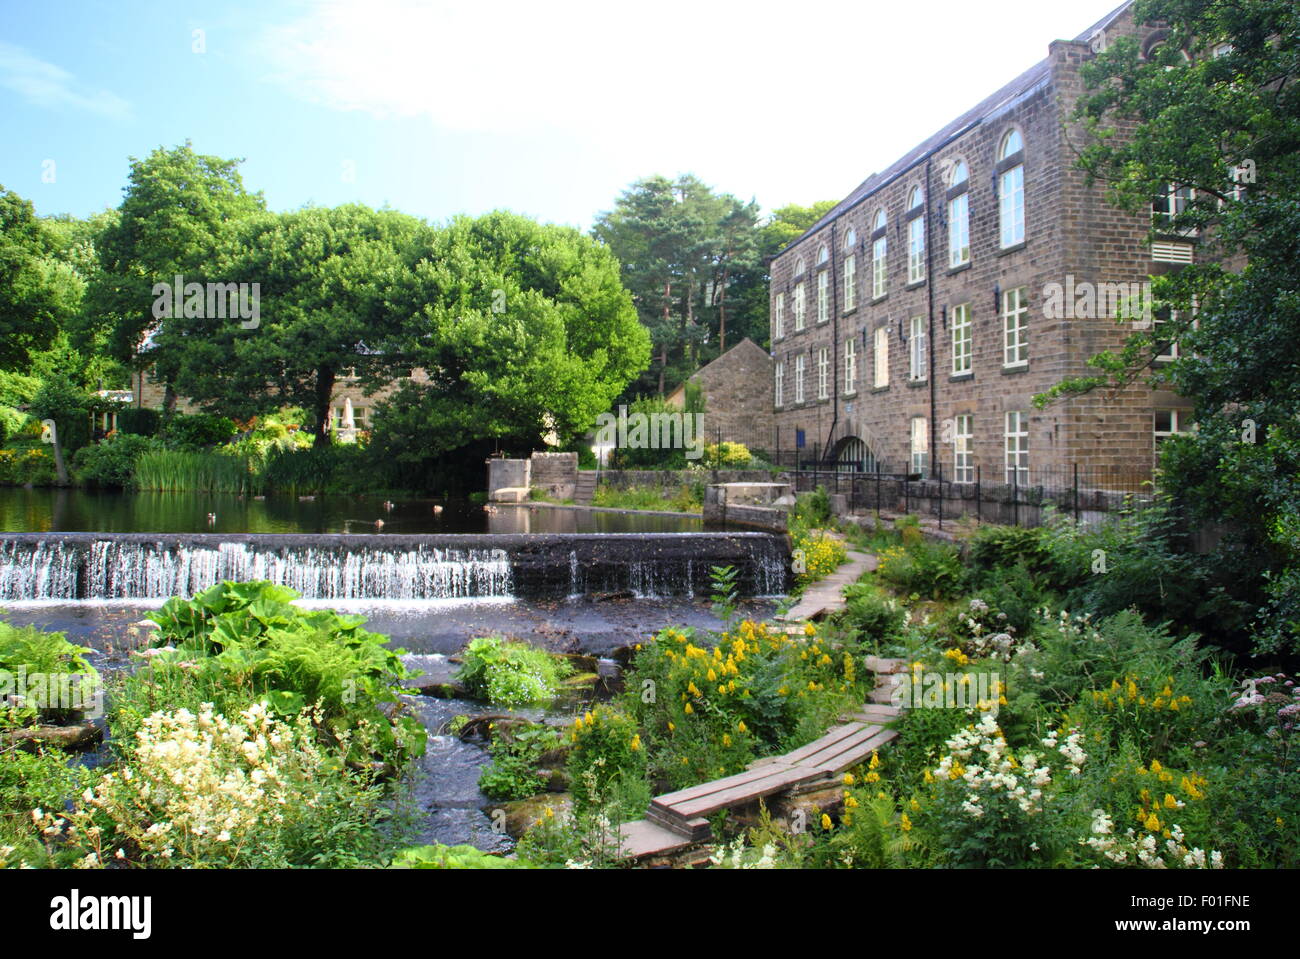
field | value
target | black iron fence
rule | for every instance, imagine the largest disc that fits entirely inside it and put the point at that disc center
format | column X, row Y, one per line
column 1015, row 497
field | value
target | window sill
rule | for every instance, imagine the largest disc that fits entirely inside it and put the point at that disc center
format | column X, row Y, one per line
column 879, row 299
column 953, row 270
column 915, row 284
column 880, row 389
column 958, row 377
column 1016, row 368
column 1014, row 248
column 913, row 383
column 849, row 311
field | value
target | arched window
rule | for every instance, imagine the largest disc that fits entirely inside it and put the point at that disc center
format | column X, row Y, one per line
column 915, row 235
column 879, row 253
column 799, row 267
column 959, row 215
column 823, row 255
column 1011, row 189
column 850, row 269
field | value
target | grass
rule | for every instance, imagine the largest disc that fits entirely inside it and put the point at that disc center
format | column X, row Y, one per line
column 196, row 472
column 686, row 499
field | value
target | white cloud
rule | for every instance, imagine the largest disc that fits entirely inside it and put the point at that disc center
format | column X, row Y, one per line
column 47, row 85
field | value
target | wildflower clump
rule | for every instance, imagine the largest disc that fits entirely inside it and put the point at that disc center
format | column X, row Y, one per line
column 200, row 789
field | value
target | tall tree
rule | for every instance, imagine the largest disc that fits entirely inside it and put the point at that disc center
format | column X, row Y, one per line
column 1214, row 112
column 177, row 204
column 39, row 292
column 520, row 328
column 324, row 278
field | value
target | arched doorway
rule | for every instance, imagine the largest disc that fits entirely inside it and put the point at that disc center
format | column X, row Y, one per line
column 852, row 455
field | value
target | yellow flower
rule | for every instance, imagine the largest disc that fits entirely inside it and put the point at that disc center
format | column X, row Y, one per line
column 848, row 779
column 871, row 777
column 1155, row 766
column 636, row 742
column 550, row 813
column 905, row 823
column 741, row 727
column 688, row 710
column 916, row 806
column 929, row 777
column 826, row 821
column 810, row 630
column 849, row 801
column 875, row 761
column 1170, row 801
column 1152, row 823
column 672, row 726
column 726, row 739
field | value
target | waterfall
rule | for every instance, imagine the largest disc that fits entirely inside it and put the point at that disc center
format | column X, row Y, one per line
column 90, row 566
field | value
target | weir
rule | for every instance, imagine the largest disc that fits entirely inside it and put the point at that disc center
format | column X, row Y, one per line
column 101, row 566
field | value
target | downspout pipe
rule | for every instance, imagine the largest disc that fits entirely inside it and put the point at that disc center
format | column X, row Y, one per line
column 832, row 374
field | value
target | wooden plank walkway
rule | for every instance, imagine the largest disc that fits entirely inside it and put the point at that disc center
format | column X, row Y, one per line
column 827, row 594
column 679, row 819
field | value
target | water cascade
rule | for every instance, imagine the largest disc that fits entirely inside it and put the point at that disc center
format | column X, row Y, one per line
column 98, row 566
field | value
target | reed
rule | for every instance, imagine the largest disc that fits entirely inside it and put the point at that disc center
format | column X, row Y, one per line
column 196, row 472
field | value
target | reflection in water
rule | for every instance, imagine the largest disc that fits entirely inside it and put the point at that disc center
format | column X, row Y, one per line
column 45, row 510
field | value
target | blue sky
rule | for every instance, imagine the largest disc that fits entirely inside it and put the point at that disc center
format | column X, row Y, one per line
column 545, row 109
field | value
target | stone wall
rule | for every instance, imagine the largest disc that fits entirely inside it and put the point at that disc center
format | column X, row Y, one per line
column 677, row 478
column 556, row 474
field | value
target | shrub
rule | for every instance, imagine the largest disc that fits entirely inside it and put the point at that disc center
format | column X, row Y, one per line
column 515, row 756
column 607, row 749
column 111, row 463
column 140, row 421
column 200, row 789
column 192, row 432
column 725, row 455
column 47, row 655
column 822, row 555
column 510, row 673
column 811, row 510
column 28, row 466
column 924, row 569
column 872, row 617
column 237, row 643
column 707, row 713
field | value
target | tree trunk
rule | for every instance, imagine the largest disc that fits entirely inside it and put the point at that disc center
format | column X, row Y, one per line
column 324, row 392
column 722, row 313
column 169, row 398
column 663, row 346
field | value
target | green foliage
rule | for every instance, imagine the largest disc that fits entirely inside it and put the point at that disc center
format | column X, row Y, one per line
column 684, row 499
column 20, row 467
column 726, row 455
column 510, row 673
column 139, row 420
column 706, row 714
column 514, row 772
column 925, row 569
column 194, row 432
column 523, row 329
column 47, row 655
column 811, row 510
column 350, row 468
column 38, row 293
column 157, row 469
column 606, row 750
column 111, row 462
column 41, row 778
column 870, row 618
column 238, row 643
column 723, row 585
column 439, row 856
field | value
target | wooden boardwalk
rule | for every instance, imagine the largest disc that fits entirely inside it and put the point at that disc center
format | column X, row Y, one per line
column 827, row 594
column 679, row 819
